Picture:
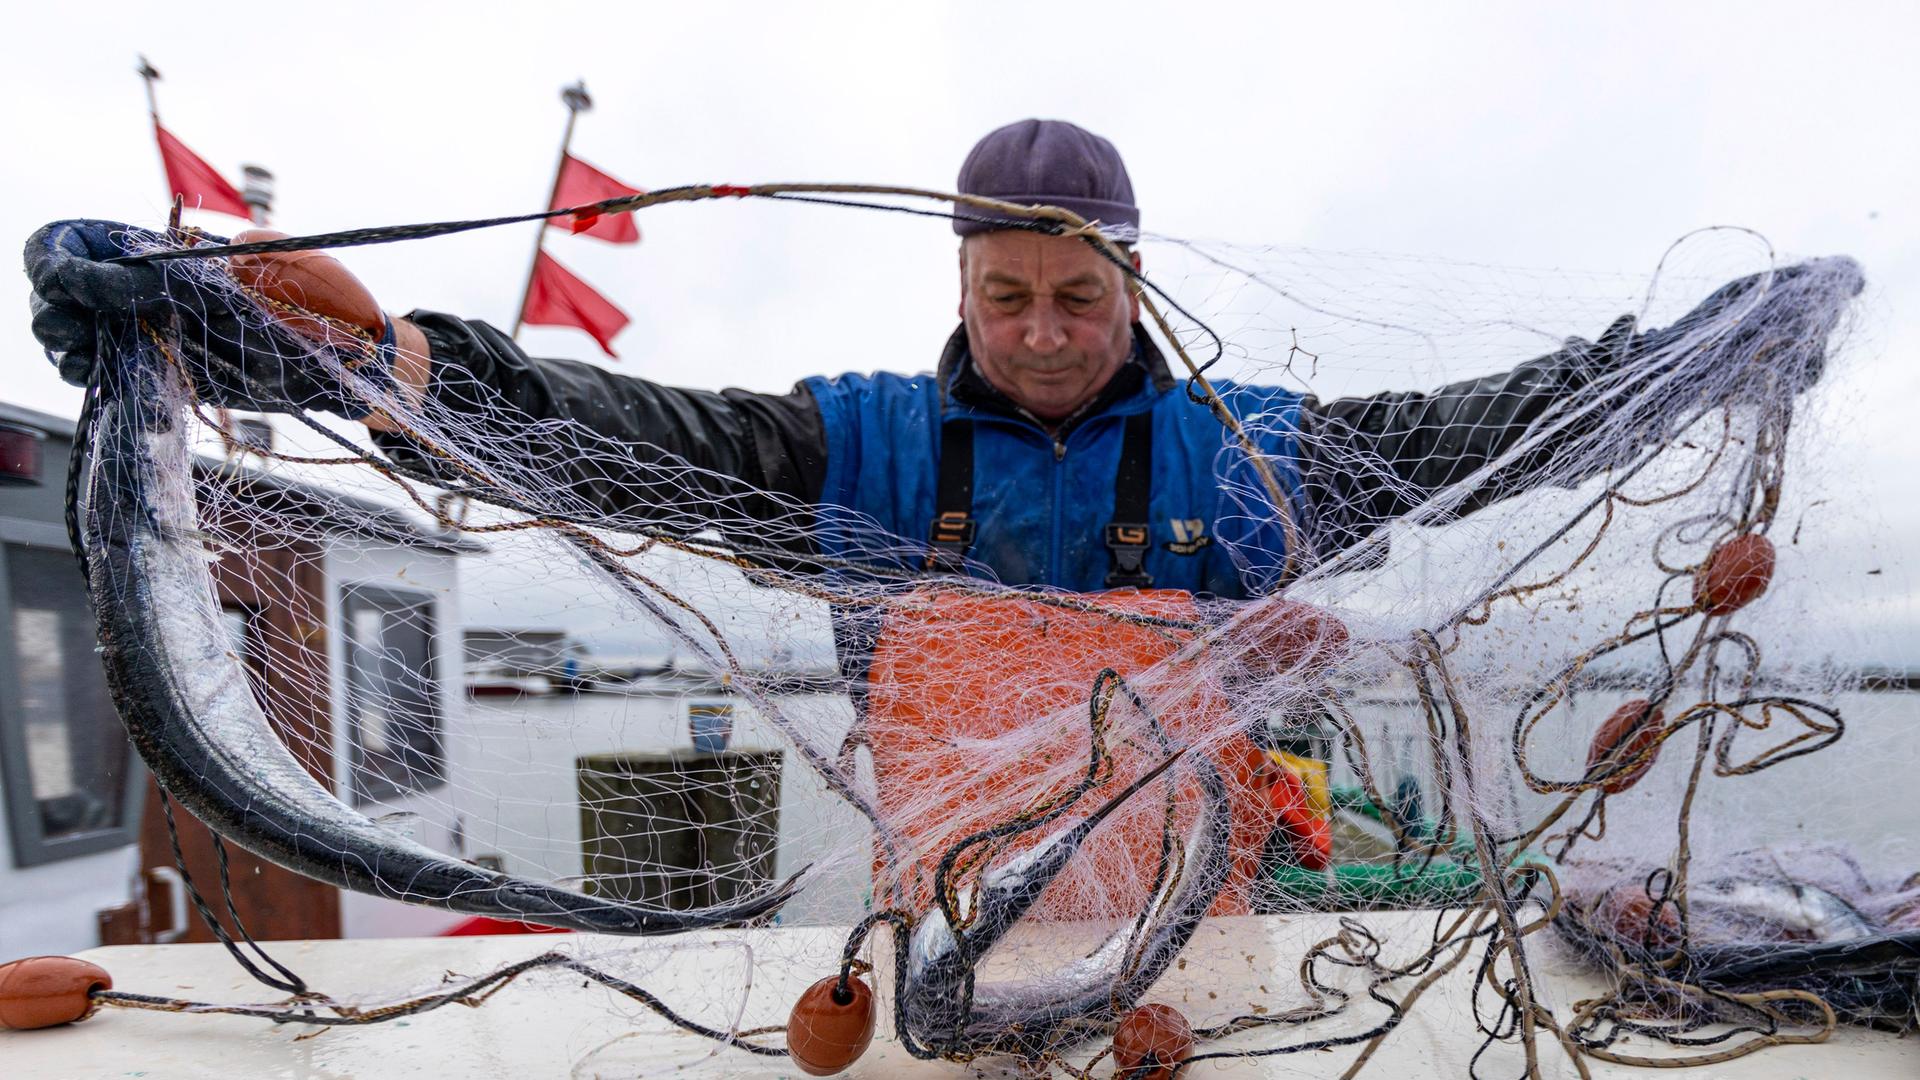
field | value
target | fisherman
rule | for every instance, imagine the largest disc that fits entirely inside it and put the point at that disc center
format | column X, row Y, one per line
column 1052, row 444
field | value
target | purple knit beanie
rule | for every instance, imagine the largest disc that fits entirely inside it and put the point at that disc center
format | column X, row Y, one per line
column 1051, row 162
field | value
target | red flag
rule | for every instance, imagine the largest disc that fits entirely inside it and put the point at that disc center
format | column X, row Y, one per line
column 191, row 177
column 556, row 298
column 581, row 183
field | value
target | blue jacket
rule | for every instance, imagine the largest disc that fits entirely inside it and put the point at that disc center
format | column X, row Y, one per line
column 1042, row 501
column 849, row 467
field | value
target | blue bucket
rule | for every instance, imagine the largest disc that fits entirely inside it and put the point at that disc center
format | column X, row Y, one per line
column 712, row 726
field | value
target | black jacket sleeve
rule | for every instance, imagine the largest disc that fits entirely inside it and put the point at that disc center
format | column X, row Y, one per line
column 625, row 445
column 1368, row 460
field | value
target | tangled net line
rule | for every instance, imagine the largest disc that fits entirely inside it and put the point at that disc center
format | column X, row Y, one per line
column 1643, row 932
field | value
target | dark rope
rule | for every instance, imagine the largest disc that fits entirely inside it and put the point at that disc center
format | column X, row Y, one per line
column 347, row 1016
column 388, row 234
column 290, row 983
column 76, row 462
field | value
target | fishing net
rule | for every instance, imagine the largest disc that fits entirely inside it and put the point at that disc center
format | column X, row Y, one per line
column 1547, row 694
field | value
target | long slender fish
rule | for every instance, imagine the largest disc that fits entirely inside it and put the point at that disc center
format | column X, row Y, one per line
column 1030, row 1016
column 1790, row 907
column 190, row 712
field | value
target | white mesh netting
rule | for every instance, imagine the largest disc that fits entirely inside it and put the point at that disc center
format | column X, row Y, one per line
column 1550, row 694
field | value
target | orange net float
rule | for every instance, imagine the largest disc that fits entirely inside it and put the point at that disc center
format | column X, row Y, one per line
column 829, row 1027
column 1150, row 1043
column 1630, row 739
column 1734, row 575
column 314, row 295
column 46, row 991
column 311, row 281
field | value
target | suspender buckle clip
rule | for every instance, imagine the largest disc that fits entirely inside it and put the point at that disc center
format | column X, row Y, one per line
column 953, row 529
column 952, row 535
column 1128, row 543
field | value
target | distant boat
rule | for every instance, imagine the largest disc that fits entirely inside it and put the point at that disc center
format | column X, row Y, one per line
column 495, row 681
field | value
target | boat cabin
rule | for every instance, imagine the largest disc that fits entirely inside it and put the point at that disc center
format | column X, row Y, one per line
column 347, row 626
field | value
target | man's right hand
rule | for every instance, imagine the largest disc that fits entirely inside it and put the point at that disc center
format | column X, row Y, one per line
column 81, row 301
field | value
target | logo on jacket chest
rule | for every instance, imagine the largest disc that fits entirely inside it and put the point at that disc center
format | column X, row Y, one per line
column 1189, row 536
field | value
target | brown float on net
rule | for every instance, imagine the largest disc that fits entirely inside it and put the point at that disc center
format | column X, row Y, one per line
column 830, row 1026
column 46, row 991
column 1629, row 740
column 1735, row 575
column 1151, row 1042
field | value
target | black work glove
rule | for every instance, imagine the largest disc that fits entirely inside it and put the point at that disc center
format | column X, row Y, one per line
column 1761, row 329
column 236, row 357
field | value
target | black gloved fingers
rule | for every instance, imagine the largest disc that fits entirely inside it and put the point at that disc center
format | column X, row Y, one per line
column 235, row 354
column 1784, row 284
column 1618, row 335
column 76, row 293
column 64, row 261
column 60, row 329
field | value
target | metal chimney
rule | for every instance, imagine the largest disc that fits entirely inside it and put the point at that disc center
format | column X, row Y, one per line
column 256, row 190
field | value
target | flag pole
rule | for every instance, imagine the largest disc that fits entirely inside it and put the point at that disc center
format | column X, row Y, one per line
column 149, row 76
column 577, row 102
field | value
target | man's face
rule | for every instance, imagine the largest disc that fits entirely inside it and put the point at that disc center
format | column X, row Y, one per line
column 1049, row 320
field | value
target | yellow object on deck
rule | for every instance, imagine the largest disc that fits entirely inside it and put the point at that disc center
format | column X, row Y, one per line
column 1312, row 774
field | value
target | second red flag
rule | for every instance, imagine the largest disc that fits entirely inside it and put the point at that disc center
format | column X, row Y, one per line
column 557, row 298
column 581, row 183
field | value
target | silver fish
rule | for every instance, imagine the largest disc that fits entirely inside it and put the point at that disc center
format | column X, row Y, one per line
column 948, row 1010
column 187, row 705
column 1794, row 907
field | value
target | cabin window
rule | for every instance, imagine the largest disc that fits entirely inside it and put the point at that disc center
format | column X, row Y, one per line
column 68, row 765
column 243, row 627
column 393, row 700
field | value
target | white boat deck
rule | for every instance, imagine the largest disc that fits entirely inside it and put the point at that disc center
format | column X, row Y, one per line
column 553, row 1025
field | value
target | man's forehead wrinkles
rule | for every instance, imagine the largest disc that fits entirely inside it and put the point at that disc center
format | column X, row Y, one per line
column 1016, row 272
column 1088, row 277
column 1033, row 256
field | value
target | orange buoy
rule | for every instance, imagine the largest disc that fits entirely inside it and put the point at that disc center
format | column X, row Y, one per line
column 1631, row 734
column 308, row 281
column 830, row 1028
column 42, row 991
column 1735, row 575
column 1628, row 912
column 1150, row 1043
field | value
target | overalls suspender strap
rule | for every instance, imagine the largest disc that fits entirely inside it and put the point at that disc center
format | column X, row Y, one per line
column 1128, row 534
column 953, row 525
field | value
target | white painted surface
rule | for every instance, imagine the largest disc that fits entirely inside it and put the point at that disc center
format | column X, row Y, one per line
column 411, row 570
column 553, row 1026
column 52, row 908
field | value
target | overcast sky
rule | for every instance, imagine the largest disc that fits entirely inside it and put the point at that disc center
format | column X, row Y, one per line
column 1508, row 134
